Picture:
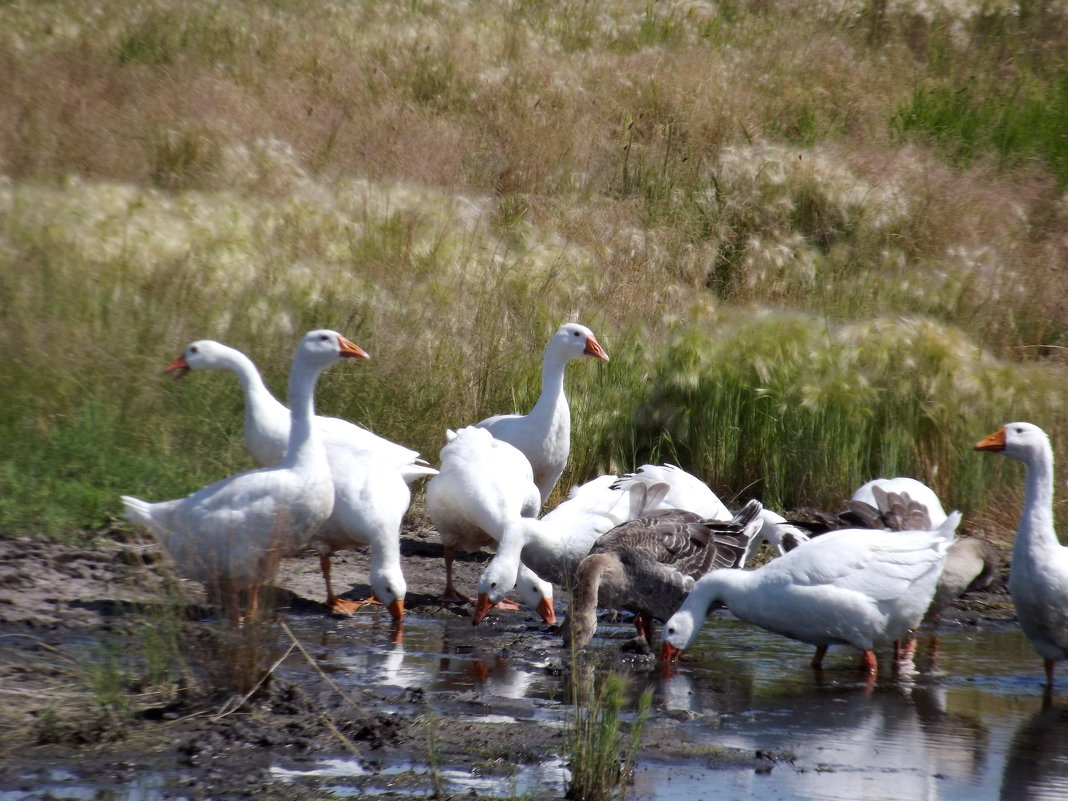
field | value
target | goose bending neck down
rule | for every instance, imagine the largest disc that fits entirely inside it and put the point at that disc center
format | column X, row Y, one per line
column 1038, row 576
column 231, row 534
column 484, row 489
column 544, row 435
column 553, row 545
column 648, row 565
column 371, row 475
column 854, row 587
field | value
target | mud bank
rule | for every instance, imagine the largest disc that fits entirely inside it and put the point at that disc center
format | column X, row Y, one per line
column 353, row 706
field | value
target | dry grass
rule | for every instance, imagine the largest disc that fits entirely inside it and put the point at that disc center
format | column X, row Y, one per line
column 446, row 182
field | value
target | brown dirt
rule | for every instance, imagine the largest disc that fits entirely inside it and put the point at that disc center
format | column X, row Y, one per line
column 60, row 605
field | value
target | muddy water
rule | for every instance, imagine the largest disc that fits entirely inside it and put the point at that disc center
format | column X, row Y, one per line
column 967, row 721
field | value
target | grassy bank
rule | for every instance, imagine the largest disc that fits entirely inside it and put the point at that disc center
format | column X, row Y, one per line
column 819, row 241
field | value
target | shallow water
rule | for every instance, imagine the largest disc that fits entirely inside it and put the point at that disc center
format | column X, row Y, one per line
column 970, row 723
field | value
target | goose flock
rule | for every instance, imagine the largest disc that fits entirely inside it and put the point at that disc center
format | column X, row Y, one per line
column 656, row 542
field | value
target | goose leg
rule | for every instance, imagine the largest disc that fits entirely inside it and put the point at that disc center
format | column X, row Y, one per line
column 337, row 605
column 451, row 595
column 868, row 662
column 905, row 652
column 254, row 602
column 817, row 659
column 932, row 654
column 645, row 628
column 1049, row 671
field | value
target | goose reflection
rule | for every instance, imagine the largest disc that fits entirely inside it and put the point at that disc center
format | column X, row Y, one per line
column 844, row 737
column 1036, row 766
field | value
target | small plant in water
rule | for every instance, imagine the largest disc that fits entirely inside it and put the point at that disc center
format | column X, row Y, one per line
column 603, row 745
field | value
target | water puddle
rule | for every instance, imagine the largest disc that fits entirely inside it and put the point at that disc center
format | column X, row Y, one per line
column 969, row 722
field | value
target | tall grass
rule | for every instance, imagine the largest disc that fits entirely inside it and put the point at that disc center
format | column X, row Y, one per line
column 813, row 410
column 445, row 184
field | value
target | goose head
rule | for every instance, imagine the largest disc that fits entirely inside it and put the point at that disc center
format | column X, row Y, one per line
column 498, row 579
column 389, row 587
column 1023, row 442
column 574, row 341
column 679, row 632
column 204, row 354
column 681, row 628
column 324, row 347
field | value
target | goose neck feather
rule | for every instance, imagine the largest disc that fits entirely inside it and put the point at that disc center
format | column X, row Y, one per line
column 1036, row 531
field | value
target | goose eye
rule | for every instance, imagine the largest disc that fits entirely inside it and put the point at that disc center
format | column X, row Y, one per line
column 671, row 629
column 194, row 349
column 493, row 585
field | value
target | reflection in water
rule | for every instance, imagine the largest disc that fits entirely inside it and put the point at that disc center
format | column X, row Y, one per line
column 854, row 742
column 1037, row 763
column 925, row 735
column 435, row 660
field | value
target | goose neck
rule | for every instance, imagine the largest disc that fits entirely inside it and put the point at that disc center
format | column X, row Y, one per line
column 259, row 401
column 552, row 381
column 1036, row 519
column 717, row 588
column 303, row 445
column 543, row 552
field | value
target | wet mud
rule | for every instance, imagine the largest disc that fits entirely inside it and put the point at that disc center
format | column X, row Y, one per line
column 350, row 707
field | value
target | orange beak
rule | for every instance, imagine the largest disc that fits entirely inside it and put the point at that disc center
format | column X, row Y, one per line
column 593, row 348
column 396, row 609
column 180, row 365
column 669, row 653
column 481, row 608
column 350, row 350
column 994, row 442
column 545, row 609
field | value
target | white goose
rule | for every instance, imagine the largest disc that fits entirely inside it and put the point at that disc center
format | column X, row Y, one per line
column 484, row 488
column 1038, row 576
column 903, row 503
column 231, row 534
column 854, row 587
column 371, row 475
column 544, row 435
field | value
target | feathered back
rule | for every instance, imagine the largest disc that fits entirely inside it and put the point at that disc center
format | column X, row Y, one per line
column 662, row 554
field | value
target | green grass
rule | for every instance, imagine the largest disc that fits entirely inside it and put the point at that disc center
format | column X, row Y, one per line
column 603, row 744
column 814, row 410
column 1004, row 96
column 1015, row 123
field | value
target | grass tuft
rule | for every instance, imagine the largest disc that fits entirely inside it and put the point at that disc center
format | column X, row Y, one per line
column 604, row 745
